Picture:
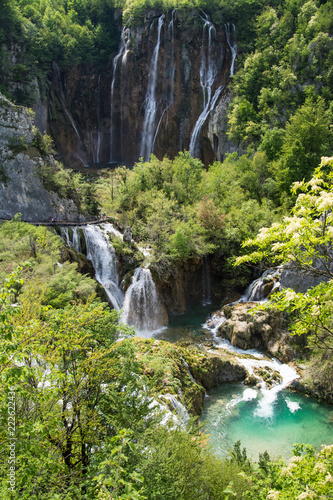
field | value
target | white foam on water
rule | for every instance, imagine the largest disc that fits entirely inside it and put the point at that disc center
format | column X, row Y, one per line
column 293, row 405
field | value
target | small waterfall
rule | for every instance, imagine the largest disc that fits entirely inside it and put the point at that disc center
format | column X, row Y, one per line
column 206, row 282
column 265, row 408
column 76, row 239
column 233, row 46
column 103, row 257
column 150, row 100
column 123, row 49
column 188, row 371
column 180, row 409
column 208, row 73
column 80, row 155
column 260, row 289
column 142, row 307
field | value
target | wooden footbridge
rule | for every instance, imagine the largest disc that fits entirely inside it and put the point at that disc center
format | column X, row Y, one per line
column 55, row 222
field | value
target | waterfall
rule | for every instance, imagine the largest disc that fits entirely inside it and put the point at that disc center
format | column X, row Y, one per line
column 187, row 368
column 76, row 239
column 206, row 282
column 232, row 45
column 288, row 374
column 103, row 256
column 208, row 73
column 98, row 119
column 81, row 156
column 150, row 100
column 169, row 73
column 142, row 307
column 123, row 49
column 260, row 289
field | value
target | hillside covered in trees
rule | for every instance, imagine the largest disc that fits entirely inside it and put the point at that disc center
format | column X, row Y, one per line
column 82, row 409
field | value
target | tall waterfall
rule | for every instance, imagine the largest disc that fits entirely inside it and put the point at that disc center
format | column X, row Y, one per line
column 142, row 307
column 208, row 73
column 98, row 119
column 123, row 49
column 169, row 76
column 232, row 45
column 150, row 101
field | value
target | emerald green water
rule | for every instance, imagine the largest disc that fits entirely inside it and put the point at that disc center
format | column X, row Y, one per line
column 270, row 420
column 294, row 418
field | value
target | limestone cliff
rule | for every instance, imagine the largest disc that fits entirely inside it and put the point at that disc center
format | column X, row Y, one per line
column 165, row 91
column 21, row 189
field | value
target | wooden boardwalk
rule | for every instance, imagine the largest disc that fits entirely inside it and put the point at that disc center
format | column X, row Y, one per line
column 62, row 223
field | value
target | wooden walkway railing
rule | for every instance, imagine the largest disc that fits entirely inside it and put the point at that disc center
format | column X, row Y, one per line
column 63, row 222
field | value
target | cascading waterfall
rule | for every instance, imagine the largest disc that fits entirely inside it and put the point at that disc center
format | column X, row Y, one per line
column 208, row 73
column 232, row 46
column 98, row 119
column 80, row 155
column 206, row 282
column 269, row 395
column 169, row 72
column 257, row 291
column 103, row 257
column 123, row 49
column 142, row 307
column 150, row 100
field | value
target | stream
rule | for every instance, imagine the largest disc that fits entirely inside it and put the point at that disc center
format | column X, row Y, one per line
column 261, row 417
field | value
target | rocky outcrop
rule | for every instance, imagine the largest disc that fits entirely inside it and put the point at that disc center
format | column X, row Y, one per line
column 184, row 372
column 150, row 97
column 263, row 329
column 211, row 371
column 21, row 189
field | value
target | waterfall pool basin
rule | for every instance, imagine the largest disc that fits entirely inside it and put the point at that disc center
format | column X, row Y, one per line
column 234, row 412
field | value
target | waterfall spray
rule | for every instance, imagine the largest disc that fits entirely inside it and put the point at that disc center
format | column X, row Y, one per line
column 232, row 45
column 142, row 307
column 208, row 73
column 150, row 101
column 123, row 49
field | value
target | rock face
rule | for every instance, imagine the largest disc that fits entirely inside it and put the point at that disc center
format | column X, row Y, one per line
column 165, row 91
column 261, row 330
column 21, row 190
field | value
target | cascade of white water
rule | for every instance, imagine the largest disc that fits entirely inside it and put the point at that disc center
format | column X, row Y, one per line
column 142, row 307
column 76, row 239
column 232, row 45
column 80, row 155
column 188, row 371
column 265, row 408
column 150, row 100
column 206, row 282
column 208, row 73
column 98, row 119
column 123, row 49
column 103, row 257
column 92, row 146
column 256, row 291
column 170, row 71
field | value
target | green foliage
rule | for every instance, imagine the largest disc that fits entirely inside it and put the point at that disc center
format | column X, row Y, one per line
column 55, row 283
column 303, row 241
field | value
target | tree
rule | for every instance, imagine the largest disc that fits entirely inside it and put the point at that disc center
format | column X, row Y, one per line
column 303, row 240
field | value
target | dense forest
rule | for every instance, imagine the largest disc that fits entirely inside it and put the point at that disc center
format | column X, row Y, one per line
column 76, row 403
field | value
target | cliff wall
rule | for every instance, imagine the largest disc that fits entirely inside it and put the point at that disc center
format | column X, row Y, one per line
column 164, row 91
column 21, row 189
